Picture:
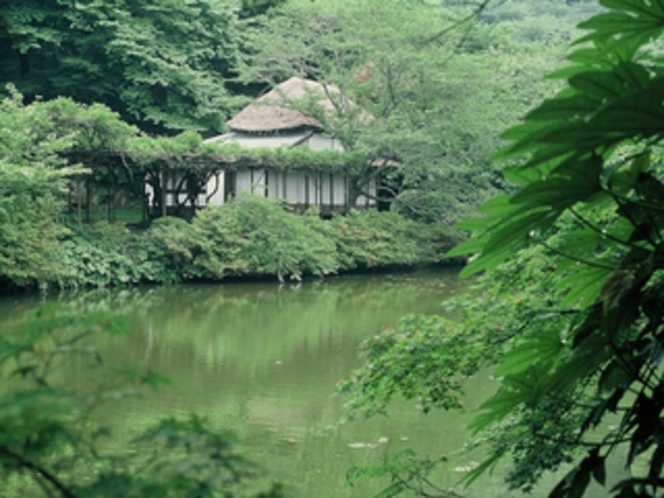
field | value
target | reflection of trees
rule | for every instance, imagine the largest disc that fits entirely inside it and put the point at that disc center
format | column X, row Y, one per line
column 220, row 344
column 247, row 327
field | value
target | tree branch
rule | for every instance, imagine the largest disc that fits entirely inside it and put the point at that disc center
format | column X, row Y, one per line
column 66, row 492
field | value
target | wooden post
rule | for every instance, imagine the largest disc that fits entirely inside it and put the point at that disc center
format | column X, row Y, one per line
column 163, row 194
column 88, row 199
column 108, row 197
column 306, row 190
column 79, row 200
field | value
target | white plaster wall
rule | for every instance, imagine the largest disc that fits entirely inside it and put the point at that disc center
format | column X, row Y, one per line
column 149, row 191
column 364, row 201
column 339, row 190
column 295, row 181
column 243, row 185
column 259, row 183
column 314, row 189
column 273, row 179
column 325, row 188
column 324, row 142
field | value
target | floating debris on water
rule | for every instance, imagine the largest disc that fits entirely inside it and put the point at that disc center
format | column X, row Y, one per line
column 466, row 468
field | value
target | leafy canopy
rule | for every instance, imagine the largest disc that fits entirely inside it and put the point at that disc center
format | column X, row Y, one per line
column 436, row 84
column 573, row 261
column 161, row 64
column 591, row 193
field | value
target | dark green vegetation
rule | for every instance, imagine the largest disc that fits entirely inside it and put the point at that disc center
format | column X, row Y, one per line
column 571, row 301
column 162, row 65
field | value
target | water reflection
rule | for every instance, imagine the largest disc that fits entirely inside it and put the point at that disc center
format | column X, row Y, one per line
column 263, row 359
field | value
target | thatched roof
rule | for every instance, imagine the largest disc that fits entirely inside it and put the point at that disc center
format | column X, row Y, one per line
column 274, row 111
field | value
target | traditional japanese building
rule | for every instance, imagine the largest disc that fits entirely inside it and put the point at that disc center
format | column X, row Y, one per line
column 277, row 120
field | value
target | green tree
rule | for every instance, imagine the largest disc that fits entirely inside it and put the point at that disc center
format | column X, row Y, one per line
column 583, row 336
column 252, row 8
column 161, row 65
column 32, row 181
column 547, row 21
column 436, row 95
column 593, row 175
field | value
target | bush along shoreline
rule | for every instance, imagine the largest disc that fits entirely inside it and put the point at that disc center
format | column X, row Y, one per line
column 251, row 237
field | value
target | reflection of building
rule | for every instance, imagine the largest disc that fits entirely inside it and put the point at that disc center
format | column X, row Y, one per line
column 274, row 121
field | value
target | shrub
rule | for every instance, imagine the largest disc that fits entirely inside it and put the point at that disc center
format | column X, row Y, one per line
column 255, row 235
column 369, row 239
column 250, row 236
column 172, row 245
column 107, row 255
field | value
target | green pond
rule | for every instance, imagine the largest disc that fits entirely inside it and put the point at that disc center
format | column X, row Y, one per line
column 263, row 359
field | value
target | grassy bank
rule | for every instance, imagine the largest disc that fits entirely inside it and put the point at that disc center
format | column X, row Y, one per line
column 250, row 237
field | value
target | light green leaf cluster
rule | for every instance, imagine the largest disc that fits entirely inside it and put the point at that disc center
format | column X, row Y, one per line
column 254, row 236
column 407, row 472
column 32, row 183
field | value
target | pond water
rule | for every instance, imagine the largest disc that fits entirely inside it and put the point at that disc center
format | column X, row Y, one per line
column 263, row 359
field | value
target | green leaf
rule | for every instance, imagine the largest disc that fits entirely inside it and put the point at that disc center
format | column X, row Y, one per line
column 487, row 464
column 575, row 107
column 520, row 176
column 154, row 380
column 586, row 360
column 471, row 246
column 557, row 193
column 498, row 407
column 623, row 180
column 544, row 347
column 508, row 237
column 599, row 472
column 582, row 287
column 392, row 490
column 515, row 230
column 613, row 376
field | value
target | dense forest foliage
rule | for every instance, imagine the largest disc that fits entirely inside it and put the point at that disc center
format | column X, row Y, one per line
column 439, row 85
column 569, row 232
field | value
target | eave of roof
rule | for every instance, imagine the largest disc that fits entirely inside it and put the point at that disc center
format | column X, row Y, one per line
column 264, row 140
